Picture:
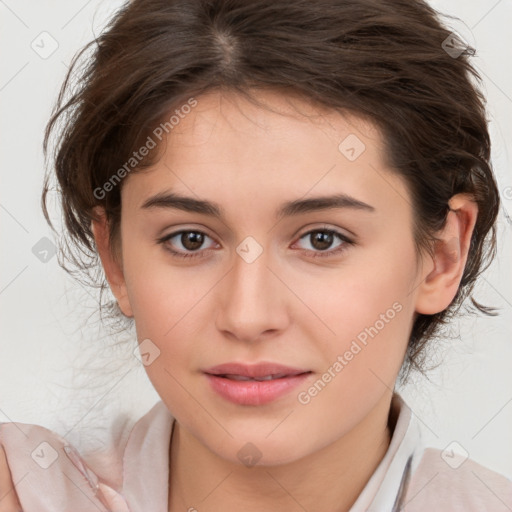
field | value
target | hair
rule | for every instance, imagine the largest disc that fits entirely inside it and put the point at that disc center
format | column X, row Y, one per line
column 383, row 60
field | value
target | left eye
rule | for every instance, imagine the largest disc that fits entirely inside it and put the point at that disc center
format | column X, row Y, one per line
column 320, row 240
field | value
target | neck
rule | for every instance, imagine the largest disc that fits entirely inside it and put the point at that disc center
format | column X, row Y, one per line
column 329, row 479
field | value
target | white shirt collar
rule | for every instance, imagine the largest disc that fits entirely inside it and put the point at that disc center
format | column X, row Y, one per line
column 382, row 490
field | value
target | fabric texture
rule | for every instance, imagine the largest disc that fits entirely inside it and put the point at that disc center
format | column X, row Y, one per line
column 51, row 476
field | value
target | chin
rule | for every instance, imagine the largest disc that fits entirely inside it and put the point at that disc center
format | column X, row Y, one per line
column 259, row 450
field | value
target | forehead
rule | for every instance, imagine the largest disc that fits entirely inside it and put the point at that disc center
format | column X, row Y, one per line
column 278, row 122
column 284, row 147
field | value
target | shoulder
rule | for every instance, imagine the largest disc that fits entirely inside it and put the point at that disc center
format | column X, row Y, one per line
column 129, row 441
column 445, row 480
column 50, row 474
column 415, row 477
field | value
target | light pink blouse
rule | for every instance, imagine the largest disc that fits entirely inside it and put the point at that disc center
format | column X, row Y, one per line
column 51, row 476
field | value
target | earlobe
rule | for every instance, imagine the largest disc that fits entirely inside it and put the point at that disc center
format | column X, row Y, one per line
column 450, row 253
column 111, row 265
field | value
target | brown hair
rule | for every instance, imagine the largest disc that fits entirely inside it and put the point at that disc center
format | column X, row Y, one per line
column 381, row 59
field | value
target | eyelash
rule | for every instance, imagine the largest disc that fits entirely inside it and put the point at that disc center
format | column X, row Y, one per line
column 315, row 254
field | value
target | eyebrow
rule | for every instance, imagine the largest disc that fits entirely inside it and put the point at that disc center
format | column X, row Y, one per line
column 189, row 204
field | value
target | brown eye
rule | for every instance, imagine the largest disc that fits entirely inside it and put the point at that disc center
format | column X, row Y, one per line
column 321, row 240
column 192, row 240
column 186, row 244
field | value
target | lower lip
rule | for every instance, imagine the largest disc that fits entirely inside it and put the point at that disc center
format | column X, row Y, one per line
column 251, row 392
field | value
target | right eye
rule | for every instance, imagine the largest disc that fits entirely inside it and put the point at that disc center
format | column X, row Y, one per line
column 189, row 240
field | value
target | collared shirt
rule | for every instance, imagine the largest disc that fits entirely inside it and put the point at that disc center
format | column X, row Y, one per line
column 51, row 476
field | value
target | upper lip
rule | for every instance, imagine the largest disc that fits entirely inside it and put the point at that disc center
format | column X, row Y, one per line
column 262, row 369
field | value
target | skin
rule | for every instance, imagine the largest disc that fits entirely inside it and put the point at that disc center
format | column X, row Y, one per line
column 287, row 306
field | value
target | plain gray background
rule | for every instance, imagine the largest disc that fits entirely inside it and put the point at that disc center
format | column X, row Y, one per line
column 54, row 368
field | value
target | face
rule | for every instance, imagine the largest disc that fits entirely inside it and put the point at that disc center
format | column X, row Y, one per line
column 294, row 247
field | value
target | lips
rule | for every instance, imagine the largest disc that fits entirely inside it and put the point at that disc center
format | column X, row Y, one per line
column 255, row 384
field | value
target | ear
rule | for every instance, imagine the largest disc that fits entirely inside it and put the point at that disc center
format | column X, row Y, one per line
column 111, row 262
column 440, row 286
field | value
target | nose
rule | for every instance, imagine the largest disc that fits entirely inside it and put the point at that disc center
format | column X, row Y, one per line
column 252, row 301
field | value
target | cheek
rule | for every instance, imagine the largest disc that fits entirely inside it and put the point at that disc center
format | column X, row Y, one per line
column 371, row 319
column 172, row 310
column 364, row 296
column 366, row 311
column 161, row 294
column 165, row 303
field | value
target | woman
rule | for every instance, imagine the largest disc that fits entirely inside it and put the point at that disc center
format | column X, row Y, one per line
column 288, row 199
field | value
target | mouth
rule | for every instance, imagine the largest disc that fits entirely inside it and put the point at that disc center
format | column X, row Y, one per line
column 254, row 384
column 257, row 379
